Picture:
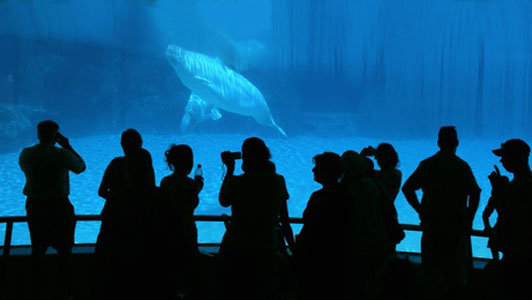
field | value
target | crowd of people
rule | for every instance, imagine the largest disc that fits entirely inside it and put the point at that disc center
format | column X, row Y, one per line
column 345, row 249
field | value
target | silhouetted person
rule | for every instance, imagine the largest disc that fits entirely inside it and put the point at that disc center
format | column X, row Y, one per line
column 248, row 250
column 322, row 245
column 515, row 228
column 450, row 201
column 50, row 214
column 127, row 187
column 494, row 204
column 180, row 197
column 285, row 235
column 374, row 221
column 388, row 174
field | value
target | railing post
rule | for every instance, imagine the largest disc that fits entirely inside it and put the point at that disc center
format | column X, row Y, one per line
column 7, row 238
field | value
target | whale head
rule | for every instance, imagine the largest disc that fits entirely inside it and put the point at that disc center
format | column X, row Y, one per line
column 175, row 55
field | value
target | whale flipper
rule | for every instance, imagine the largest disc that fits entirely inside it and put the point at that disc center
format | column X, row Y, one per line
column 205, row 81
column 215, row 114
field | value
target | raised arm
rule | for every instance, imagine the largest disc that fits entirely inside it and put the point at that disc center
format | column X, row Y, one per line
column 225, row 191
column 488, row 211
column 74, row 161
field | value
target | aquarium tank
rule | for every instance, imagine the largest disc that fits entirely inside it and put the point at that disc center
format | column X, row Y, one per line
column 307, row 76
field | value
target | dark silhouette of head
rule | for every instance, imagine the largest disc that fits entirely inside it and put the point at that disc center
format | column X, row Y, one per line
column 131, row 141
column 327, row 168
column 448, row 139
column 255, row 155
column 355, row 166
column 386, row 156
column 514, row 155
column 47, row 132
column 180, row 159
column 139, row 164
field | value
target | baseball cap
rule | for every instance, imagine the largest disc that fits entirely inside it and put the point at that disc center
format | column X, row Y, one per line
column 513, row 147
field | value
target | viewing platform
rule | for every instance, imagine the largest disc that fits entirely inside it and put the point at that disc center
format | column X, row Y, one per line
column 15, row 260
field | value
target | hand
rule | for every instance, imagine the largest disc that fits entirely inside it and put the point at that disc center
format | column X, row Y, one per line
column 199, row 182
column 497, row 181
column 62, row 140
column 228, row 160
column 368, row 151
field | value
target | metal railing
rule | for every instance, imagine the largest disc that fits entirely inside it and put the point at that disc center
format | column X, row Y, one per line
column 9, row 221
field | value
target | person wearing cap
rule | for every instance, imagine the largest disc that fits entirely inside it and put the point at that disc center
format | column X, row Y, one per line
column 50, row 214
column 446, row 211
column 515, row 222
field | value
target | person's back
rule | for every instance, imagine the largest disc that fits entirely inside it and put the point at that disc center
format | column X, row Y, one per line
column 391, row 180
column 178, row 257
column 128, row 186
column 248, row 251
column 180, row 194
column 445, row 180
column 447, row 209
column 369, row 230
column 46, row 168
column 50, row 214
column 256, row 204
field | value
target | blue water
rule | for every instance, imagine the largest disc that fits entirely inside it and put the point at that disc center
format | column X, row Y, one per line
column 293, row 157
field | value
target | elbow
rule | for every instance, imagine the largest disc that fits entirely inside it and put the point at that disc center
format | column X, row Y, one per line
column 80, row 170
column 223, row 201
column 103, row 193
column 406, row 190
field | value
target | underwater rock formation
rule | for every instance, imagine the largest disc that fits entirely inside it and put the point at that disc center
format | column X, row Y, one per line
column 209, row 79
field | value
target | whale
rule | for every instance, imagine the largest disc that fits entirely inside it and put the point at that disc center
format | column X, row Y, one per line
column 215, row 87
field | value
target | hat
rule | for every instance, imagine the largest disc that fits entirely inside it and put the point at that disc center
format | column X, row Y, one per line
column 513, row 147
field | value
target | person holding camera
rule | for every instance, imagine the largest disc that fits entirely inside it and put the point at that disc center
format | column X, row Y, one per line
column 50, row 214
column 256, row 198
column 388, row 174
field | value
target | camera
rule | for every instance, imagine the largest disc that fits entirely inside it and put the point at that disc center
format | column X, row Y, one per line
column 368, row 151
column 231, row 155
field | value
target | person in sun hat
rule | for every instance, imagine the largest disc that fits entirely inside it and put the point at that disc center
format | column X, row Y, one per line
column 515, row 222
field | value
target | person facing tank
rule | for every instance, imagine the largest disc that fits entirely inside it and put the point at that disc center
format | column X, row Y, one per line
column 374, row 223
column 387, row 159
column 127, row 186
column 179, row 194
column 50, row 214
column 450, row 201
column 256, row 198
column 514, row 234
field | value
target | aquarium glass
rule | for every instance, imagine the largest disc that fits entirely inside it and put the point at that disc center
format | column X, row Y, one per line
column 307, row 76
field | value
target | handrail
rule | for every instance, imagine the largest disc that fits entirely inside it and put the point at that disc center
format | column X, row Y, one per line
column 9, row 221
